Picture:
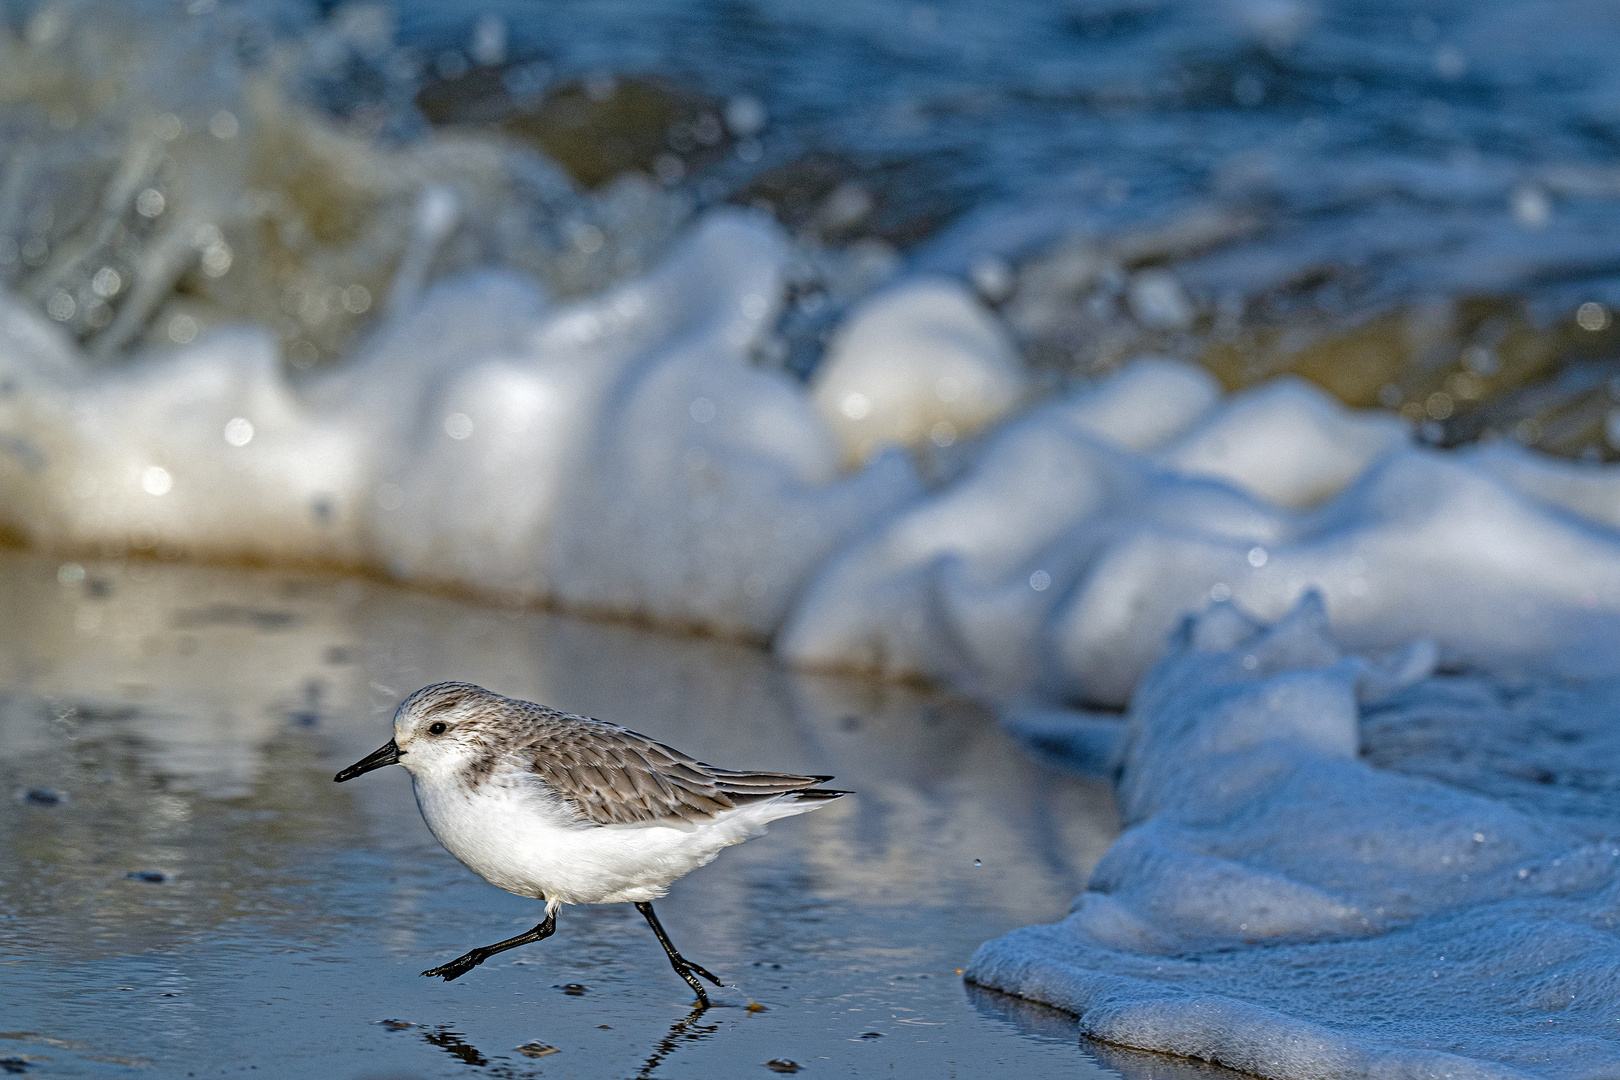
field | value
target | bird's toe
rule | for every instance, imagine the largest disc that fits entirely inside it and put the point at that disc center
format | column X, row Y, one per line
column 687, row 969
column 451, row 971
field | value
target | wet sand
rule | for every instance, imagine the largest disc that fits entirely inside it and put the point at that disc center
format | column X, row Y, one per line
column 202, row 900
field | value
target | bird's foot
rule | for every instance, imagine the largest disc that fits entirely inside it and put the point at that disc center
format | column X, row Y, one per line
column 458, row 967
column 684, row 970
column 689, row 971
column 700, row 970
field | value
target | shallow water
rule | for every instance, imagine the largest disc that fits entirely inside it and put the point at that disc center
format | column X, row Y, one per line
column 189, row 721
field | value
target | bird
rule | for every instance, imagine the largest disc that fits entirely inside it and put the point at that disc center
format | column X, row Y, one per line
column 567, row 809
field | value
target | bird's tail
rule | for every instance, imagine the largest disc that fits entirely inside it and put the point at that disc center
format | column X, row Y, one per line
column 747, row 787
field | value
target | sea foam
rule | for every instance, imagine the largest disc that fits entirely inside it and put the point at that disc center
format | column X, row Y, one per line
column 1279, row 905
column 620, row 453
column 1089, row 526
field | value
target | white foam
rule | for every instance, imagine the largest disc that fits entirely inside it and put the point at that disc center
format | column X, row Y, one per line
column 1425, row 545
column 961, row 586
column 626, row 456
column 1585, row 489
column 924, row 360
column 1285, row 441
column 138, row 456
column 1146, row 403
column 1060, row 561
column 619, row 453
column 1282, row 907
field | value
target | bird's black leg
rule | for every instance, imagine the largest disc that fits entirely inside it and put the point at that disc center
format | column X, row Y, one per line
column 458, row 967
column 683, row 967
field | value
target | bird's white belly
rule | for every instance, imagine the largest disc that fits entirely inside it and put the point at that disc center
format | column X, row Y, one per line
column 529, row 846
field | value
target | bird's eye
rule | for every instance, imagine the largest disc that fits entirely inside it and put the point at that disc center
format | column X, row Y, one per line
column 436, row 728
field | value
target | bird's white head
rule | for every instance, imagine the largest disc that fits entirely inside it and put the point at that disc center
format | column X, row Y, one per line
column 444, row 730
column 440, row 732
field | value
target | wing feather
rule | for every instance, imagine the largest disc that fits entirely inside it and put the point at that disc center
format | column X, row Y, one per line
column 614, row 776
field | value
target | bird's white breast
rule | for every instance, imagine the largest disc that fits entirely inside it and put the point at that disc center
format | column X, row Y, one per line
column 511, row 833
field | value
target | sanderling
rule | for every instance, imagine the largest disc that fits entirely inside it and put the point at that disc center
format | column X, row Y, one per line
column 570, row 810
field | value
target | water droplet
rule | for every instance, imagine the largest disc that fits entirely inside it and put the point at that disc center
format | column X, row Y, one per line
column 106, row 283
column 223, row 125
column 356, row 299
column 155, row 480
column 239, row 431
column 489, row 39
column 1530, row 206
column 745, row 116
column 1159, row 302
column 856, row 406
column 589, row 239
column 216, row 259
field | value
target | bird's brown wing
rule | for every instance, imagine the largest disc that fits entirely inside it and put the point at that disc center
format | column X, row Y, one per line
column 615, row 776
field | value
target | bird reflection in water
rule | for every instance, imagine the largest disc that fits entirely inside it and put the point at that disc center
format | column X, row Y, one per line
column 457, row 1047
column 685, row 1030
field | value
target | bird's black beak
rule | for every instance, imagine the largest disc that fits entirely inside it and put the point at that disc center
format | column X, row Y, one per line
column 387, row 754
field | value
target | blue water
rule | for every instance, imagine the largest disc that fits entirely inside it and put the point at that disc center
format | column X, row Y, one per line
column 1370, row 156
column 1433, row 147
column 189, row 893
